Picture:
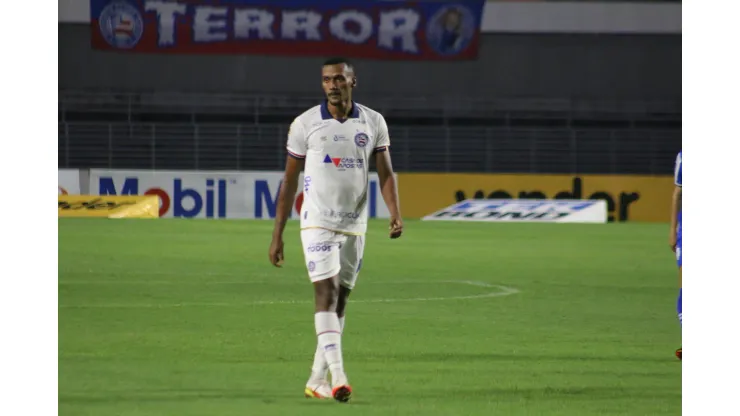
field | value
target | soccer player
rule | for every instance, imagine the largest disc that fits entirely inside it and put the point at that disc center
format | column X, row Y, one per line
column 334, row 142
column 675, row 235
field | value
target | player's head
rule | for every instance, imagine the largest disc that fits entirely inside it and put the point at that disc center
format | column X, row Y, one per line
column 338, row 80
column 452, row 20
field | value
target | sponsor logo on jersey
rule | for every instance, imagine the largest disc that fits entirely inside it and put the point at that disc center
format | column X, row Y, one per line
column 340, row 214
column 344, row 163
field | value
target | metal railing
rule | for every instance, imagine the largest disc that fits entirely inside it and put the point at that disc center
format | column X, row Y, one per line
column 131, row 105
column 421, row 149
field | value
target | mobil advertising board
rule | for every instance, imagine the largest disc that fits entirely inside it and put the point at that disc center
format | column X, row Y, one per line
column 213, row 194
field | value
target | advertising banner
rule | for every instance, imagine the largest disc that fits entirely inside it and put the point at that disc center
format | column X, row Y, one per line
column 628, row 198
column 401, row 30
column 108, row 206
column 69, row 182
column 187, row 194
column 523, row 210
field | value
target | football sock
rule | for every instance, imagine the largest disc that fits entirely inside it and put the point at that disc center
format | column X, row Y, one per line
column 678, row 306
column 320, row 367
column 329, row 334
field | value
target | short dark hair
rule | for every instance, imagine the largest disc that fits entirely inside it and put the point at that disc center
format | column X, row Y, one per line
column 338, row 61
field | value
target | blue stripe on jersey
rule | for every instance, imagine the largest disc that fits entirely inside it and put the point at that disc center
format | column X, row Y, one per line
column 677, row 170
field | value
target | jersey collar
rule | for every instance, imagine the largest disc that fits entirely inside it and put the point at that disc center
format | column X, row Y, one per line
column 326, row 115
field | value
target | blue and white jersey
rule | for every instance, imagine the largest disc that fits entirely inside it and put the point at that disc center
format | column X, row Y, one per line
column 678, row 181
column 679, row 237
column 677, row 170
column 337, row 161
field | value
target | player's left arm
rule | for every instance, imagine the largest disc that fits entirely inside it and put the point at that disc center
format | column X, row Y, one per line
column 387, row 180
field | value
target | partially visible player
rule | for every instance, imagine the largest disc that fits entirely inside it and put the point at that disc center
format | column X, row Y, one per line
column 334, row 141
column 675, row 236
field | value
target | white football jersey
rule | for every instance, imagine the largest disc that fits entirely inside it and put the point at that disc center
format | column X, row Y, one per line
column 337, row 155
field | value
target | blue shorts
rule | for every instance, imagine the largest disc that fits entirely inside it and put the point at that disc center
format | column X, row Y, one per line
column 679, row 251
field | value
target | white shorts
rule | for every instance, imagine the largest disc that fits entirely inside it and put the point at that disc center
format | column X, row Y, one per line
column 329, row 253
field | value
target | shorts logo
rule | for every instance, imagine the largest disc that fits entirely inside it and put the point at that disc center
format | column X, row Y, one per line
column 344, row 163
column 311, row 266
column 121, row 24
column 319, row 247
column 361, row 139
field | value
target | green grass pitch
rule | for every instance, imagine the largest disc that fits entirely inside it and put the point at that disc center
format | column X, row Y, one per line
column 187, row 317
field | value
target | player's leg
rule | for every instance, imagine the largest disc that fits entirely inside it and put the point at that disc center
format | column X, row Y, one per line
column 679, row 306
column 342, row 303
column 325, row 298
column 322, row 257
column 320, row 368
column 347, row 277
column 350, row 258
column 329, row 332
column 321, row 253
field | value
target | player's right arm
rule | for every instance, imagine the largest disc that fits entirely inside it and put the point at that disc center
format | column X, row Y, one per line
column 676, row 202
column 288, row 188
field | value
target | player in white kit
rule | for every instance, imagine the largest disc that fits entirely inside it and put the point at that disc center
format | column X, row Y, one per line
column 334, row 142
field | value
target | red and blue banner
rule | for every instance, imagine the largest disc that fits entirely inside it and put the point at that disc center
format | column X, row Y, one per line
column 401, row 30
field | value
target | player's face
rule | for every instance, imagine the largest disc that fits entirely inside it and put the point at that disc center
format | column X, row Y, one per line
column 337, row 81
column 452, row 21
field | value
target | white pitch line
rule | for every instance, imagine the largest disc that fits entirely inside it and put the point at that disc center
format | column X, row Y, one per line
column 501, row 291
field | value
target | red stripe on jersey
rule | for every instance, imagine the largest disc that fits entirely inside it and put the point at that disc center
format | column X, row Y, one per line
column 296, row 155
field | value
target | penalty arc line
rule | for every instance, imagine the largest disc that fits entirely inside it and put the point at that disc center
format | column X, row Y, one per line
column 501, row 291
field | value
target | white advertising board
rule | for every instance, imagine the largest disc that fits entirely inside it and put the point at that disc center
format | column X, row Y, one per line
column 524, row 210
column 69, row 182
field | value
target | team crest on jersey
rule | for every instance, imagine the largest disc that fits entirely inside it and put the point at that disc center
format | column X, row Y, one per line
column 361, row 139
column 121, row 24
column 311, row 266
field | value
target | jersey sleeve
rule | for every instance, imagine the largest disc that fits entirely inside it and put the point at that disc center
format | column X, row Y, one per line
column 677, row 171
column 297, row 144
column 382, row 139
